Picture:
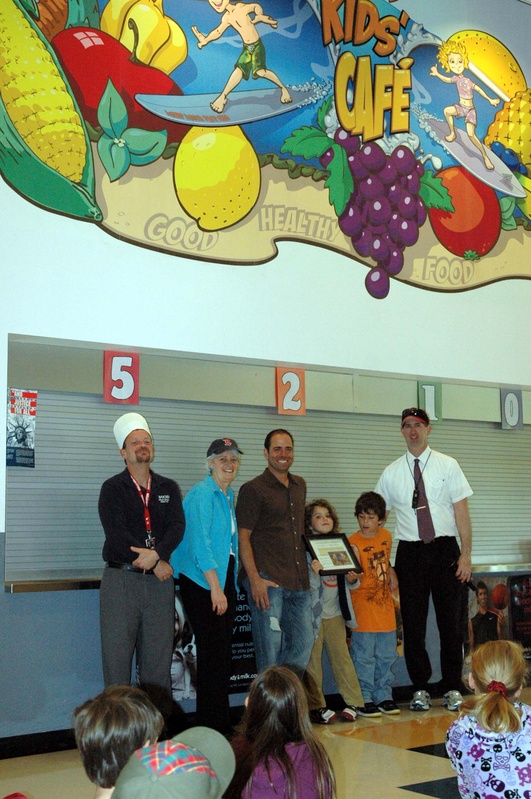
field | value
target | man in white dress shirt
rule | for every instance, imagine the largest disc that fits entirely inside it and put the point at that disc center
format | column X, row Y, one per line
column 425, row 482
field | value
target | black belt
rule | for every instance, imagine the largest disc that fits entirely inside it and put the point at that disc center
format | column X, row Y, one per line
column 437, row 538
column 128, row 568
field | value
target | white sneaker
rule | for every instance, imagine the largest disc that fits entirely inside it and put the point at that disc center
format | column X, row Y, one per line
column 452, row 700
column 421, row 701
column 348, row 713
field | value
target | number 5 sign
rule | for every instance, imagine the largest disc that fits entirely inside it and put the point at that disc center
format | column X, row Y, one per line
column 290, row 391
column 121, row 377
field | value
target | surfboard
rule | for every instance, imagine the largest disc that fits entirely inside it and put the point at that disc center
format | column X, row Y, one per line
column 500, row 178
column 240, row 108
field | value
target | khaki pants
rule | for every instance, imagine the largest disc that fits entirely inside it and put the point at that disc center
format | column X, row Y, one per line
column 332, row 637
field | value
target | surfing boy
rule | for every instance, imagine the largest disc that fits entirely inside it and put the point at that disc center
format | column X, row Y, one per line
column 453, row 57
column 243, row 17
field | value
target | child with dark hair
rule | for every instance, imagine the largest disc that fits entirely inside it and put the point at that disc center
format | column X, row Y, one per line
column 490, row 743
column 332, row 612
column 277, row 753
column 109, row 728
column 373, row 642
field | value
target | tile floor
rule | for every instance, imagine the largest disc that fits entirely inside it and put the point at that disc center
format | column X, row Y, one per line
column 396, row 757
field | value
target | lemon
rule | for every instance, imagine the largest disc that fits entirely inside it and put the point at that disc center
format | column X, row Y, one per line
column 217, row 176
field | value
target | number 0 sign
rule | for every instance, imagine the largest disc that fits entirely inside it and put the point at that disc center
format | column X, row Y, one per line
column 290, row 391
column 121, row 377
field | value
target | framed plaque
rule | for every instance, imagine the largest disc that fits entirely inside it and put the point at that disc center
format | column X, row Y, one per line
column 334, row 552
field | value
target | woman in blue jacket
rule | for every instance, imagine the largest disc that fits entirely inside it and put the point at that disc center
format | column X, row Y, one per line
column 206, row 562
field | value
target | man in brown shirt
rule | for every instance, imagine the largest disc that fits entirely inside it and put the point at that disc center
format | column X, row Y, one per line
column 270, row 513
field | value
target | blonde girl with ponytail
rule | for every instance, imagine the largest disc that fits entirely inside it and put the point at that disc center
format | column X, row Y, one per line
column 490, row 743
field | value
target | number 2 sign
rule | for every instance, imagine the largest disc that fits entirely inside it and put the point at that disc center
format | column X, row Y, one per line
column 121, row 377
column 290, row 391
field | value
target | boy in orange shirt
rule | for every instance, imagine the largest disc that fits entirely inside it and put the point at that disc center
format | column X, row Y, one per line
column 373, row 641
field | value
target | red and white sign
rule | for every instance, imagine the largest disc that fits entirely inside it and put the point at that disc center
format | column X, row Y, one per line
column 22, row 402
column 121, row 377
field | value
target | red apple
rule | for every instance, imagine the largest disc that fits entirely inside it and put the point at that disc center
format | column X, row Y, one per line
column 91, row 57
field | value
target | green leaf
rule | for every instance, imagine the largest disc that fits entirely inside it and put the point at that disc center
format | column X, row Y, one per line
column 145, row 146
column 434, row 193
column 340, row 184
column 523, row 205
column 112, row 113
column 470, row 255
column 310, row 142
column 507, row 206
column 508, row 223
column 31, row 7
column 93, row 133
column 83, row 13
column 322, row 111
column 114, row 156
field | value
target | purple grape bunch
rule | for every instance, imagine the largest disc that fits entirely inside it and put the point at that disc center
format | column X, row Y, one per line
column 384, row 212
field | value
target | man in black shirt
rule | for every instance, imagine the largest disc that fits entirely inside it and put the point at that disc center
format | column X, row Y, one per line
column 143, row 520
column 486, row 624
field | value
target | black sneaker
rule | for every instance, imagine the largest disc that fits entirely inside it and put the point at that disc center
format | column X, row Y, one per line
column 322, row 716
column 389, row 707
column 369, row 710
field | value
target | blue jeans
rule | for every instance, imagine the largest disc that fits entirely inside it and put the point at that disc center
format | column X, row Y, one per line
column 374, row 654
column 282, row 634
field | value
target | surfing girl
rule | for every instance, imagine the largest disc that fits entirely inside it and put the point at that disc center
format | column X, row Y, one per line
column 454, row 58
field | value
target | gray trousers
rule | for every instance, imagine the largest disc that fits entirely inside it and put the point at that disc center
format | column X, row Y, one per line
column 137, row 614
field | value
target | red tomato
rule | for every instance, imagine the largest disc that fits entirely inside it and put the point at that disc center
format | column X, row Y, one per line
column 475, row 223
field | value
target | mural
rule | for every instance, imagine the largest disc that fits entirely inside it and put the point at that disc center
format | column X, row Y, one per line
column 213, row 129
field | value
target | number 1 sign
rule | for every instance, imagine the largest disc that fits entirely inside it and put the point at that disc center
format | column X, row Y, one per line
column 290, row 391
column 121, row 377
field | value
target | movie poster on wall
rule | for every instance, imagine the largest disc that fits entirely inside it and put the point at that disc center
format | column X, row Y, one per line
column 488, row 612
column 20, row 427
column 215, row 130
column 500, row 610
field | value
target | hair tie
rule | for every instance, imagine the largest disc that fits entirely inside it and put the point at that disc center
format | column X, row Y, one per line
column 494, row 685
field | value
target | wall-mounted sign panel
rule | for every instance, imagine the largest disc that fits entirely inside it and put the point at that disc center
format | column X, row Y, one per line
column 430, row 398
column 290, row 391
column 121, row 377
column 512, row 412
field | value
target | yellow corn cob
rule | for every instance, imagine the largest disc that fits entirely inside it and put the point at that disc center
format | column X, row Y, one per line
column 36, row 98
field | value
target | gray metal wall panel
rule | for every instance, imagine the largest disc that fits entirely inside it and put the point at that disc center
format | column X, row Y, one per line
column 52, row 525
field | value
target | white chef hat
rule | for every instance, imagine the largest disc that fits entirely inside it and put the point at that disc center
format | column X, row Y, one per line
column 126, row 424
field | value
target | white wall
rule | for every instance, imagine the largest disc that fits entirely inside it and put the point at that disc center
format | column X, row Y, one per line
column 69, row 279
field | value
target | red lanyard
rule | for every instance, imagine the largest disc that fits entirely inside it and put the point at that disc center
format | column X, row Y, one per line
column 150, row 540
